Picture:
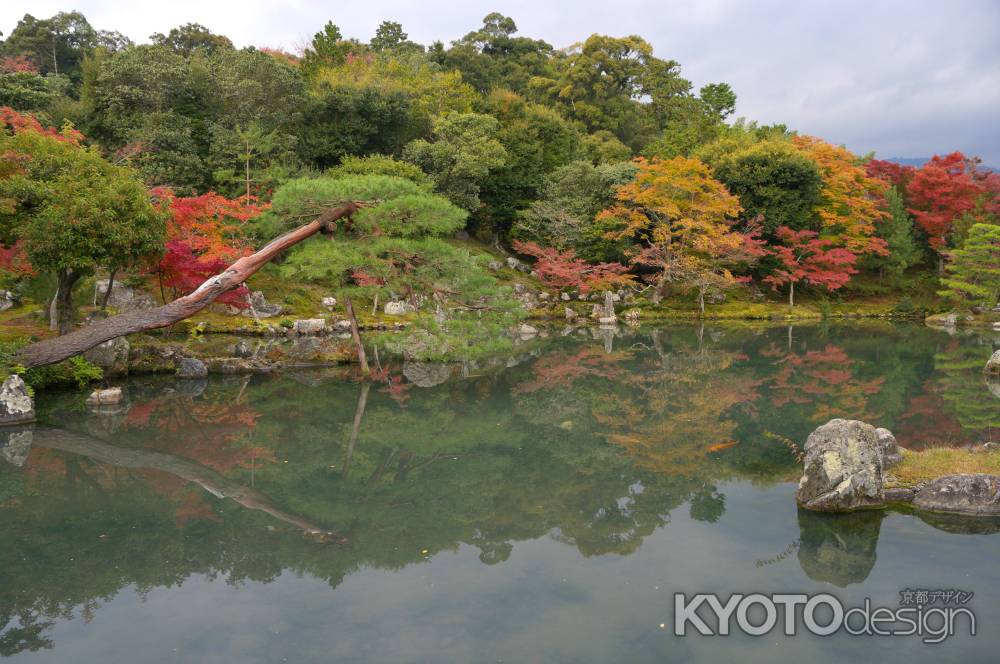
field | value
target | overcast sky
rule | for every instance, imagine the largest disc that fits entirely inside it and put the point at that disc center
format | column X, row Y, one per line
column 902, row 78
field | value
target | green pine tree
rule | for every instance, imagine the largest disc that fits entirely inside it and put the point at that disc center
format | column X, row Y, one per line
column 897, row 231
column 973, row 273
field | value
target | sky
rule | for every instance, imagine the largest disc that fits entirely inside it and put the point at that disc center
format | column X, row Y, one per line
column 900, row 78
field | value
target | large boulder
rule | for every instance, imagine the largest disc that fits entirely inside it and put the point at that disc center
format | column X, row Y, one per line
column 123, row 298
column 16, row 404
column 976, row 495
column 993, row 365
column 890, row 448
column 260, row 306
column 111, row 396
column 397, row 308
column 426, row 374
column 8, row 299
column 112, row 355
column 843, row 468
column 309, row 326
column 191, row 367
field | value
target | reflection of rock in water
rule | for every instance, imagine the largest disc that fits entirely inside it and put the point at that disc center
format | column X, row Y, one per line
column 838, row 548
column 15, row 445
column 960, row 524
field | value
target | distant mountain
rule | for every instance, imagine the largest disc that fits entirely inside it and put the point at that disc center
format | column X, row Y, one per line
column 917, row 162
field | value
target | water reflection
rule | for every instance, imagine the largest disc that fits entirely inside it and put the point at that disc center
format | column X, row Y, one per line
column 597, row 443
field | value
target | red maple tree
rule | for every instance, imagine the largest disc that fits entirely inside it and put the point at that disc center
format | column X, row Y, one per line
column 941, row 191
column 204, row 235
column 805, row 257
column 563, row 269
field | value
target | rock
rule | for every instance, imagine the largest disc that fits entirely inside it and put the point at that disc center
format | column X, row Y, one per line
column 494, row 266
column 513, row 263
column 262, row 307
column 123, row 298
column 526, row 331
column 890, row 450
column 16, row 404
column 191, row 367
column 112, row 354
column 564, row 296
column 426, row 374
column 329, row 302
column 242, row 349
column 570, row 314
column 900, row 495
column 111, row 396
column 843, row 468
column 15, row 445
column 309, row 326
column 342, row 325
column 7, row 300
column 397, row 308
column 520, row 289
column 974, row 495
column 993, row 365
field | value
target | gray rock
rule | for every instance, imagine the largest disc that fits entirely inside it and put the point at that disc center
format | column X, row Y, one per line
column 993, row 385
column 397, row 308
column 900, row 495
column 993, row 365
column 309, row 326
column 564, row 296
column 112, row 354
column 111, row 396
column 262, row 307
column 7, row 300
column 570, row 314
column 494, row 266
column 16, row 404
column 329, row 302
column 526, row 331
column 426, row 374
column 191, row 367
column 123, row 298
column 515, row 264
column 975, row 495
column 15, row 445
column 890, row 450
column 242, row 349
column 342, row 325
column 843, row 468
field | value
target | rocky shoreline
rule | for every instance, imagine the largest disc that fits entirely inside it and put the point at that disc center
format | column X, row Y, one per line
column 847, row 468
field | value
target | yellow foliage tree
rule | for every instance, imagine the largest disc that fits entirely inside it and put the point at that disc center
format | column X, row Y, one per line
column 850, row 207
column 681, row 221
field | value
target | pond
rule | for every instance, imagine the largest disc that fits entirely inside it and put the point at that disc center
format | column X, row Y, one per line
column 541, row 508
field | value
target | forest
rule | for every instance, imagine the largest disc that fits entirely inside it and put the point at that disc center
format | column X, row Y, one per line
column 599, row 165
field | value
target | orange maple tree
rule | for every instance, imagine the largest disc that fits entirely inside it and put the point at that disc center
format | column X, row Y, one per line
column 851, row 197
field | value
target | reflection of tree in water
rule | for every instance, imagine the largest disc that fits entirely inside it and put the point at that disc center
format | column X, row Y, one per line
column 593, row 448
column 965, row 390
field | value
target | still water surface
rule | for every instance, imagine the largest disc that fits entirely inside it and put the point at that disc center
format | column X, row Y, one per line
column 541, row 509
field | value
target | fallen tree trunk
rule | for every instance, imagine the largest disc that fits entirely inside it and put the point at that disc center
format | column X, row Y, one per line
column 57, row 349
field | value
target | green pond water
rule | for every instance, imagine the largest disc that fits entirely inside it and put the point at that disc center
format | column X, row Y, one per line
column 540, row 508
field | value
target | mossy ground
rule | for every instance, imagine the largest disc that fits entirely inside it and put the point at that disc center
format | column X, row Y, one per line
column 925, row 465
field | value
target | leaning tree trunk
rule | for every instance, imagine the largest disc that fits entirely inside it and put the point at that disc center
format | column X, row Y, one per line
column 54, row 350
column 107, row 293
